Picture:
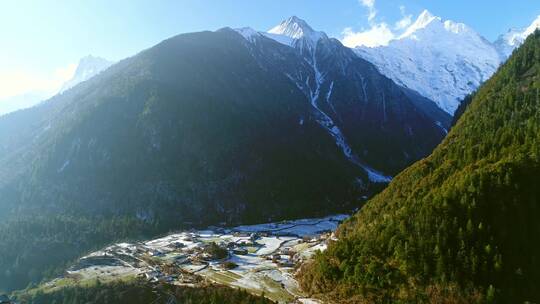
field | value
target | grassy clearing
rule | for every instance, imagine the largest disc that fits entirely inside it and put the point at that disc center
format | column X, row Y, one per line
column 274, row 291
column 252, row 249
column 73, row 281
column 226, row 278
column 233, row 275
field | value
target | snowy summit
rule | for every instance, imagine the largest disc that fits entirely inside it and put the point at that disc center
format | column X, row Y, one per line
column 442, row 60
column 293, row 29
column 87, row 68
column 248, row 33
column 514, row 38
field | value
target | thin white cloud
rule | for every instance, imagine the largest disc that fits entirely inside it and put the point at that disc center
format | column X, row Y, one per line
column 405, row 20
column 370, row 5
column 378, row 35
column 19, row 82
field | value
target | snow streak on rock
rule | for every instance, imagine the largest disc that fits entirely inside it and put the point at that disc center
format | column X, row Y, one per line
column 313, row 92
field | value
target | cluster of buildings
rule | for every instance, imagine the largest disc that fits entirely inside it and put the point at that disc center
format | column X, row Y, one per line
column 177, row 258
column 157, row 275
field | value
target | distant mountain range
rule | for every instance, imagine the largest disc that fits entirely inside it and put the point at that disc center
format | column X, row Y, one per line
column 512, row 39
column 87, row 68
column 443, row 60
column 23, row 101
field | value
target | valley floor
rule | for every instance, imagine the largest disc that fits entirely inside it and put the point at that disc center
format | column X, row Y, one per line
column 261, row 259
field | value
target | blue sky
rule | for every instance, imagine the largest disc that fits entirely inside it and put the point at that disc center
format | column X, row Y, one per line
column 41, row 42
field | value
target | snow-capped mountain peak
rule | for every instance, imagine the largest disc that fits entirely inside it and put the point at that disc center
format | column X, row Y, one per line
column 428, row 24
column 294, row 29
column 512, row 37
column 87, row 68
column 534, row 25
column 441, row 59
column 507, row 42
column 424, row 19
column 248, row 33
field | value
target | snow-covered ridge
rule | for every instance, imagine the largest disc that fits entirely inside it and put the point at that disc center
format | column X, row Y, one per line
column 292, row 27
column 87, row 68
column 248, row 33
column 512, row 39
column 426, row 19
column 293, row 30
column 423, row 20
column 441, row 59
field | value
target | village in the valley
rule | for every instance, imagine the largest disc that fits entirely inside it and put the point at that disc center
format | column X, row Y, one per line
column 261, row 258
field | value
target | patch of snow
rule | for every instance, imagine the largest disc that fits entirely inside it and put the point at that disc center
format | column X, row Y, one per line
column 248, row 33
column 271, row 244
column 64, row 166
column 329, row 92
column 438, row 123
column 286, row 40
column 299, row 228
column 309, row 301
column 376, row 176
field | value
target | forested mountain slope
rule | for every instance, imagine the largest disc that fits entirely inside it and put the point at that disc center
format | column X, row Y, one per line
column 460, row 226
column 203, row 128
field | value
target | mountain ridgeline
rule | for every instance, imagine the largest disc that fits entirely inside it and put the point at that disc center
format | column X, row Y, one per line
column 460, row 226
column 442, row 59
column 205, row 128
